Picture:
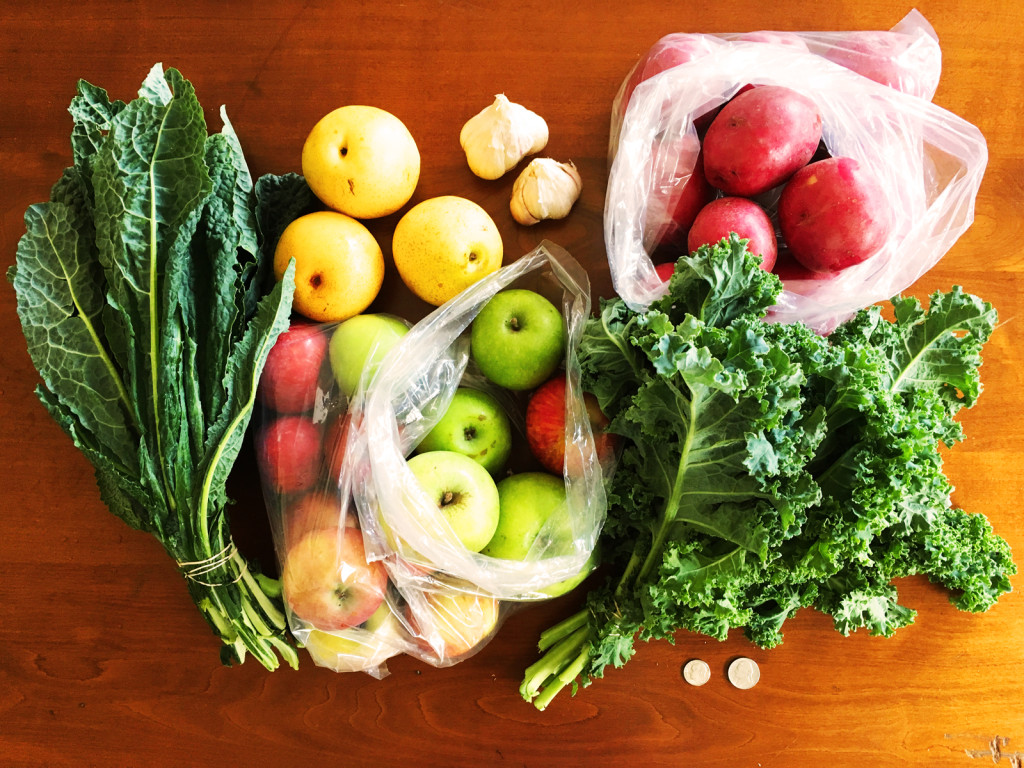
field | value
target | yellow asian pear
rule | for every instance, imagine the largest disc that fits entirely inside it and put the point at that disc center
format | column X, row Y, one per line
column 339, row 267
column 361, row 161
column 443, row 245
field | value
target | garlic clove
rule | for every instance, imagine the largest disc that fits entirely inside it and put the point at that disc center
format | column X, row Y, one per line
column 546, row 189
column 499, row 136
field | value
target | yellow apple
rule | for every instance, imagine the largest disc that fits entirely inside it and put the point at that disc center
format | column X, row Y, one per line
column 460, row 620
column 339, row 267
column 361, row 161
column 352, row 650
column 443, row 245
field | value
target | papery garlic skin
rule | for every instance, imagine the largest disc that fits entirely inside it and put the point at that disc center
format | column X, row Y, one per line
column 546, row 189
column 499, row 136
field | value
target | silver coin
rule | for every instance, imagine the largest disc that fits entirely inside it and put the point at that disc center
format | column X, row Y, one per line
column 744, row 673
column 696, row 672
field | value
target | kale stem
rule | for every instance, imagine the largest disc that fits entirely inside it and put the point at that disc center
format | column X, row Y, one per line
column 269, row 609
column 553, row 662
column 564, row 678
column 561, row 630
column 627, row 573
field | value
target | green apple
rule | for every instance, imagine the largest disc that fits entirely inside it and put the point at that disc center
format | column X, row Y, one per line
column 518, row 339
column 569, row 584
column 362, row 342
column 464, row 492
column 530, row 505
column 475, row 425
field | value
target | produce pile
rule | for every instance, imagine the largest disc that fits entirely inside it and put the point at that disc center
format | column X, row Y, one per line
column 724, row 458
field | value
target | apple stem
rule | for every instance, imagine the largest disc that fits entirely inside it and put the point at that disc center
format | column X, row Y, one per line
column 514, row 323
column 447, row 498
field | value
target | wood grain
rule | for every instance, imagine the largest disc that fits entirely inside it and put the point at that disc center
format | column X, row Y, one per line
column 104, row 661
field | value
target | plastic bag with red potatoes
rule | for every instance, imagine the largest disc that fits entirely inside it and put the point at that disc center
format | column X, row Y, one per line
column 873, row 90
column 370, row 568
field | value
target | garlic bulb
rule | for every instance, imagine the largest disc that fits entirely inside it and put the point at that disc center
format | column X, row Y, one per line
column 546, row 189
column 498, row 137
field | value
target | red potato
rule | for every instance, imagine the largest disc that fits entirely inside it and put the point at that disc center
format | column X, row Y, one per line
column 785, row 39
column 906, row 63
column 670, row 51
column 676, row 196
column 790, row 270
column 834, row 214
column 735, row 214
column 760, row 139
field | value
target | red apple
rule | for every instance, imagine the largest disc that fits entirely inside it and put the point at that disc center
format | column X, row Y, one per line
column 335, row 442
column 314, row 511
column 289, row 380
column 545, row 426
column 288, row 454
column 746, row 218
column 328, row 582
column 678, row 192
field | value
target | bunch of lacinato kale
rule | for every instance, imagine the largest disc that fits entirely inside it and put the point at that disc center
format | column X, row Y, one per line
column 143, row 296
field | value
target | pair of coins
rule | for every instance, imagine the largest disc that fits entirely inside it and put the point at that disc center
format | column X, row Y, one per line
column 743, row 673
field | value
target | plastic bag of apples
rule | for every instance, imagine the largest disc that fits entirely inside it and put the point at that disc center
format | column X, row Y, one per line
column 482, row 481
column 823, row 147
column 424, row 481
column 341, row 606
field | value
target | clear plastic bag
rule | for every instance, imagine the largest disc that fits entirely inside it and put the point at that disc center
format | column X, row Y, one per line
column 453, row 593
column 303, row 450
column 347, row 516
column 929, row 161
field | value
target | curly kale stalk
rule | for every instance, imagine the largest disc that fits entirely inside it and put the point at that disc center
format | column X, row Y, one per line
column 140, row 289
column 768, row 469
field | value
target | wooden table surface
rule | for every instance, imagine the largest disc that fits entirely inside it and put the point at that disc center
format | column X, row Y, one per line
column 104, row 660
